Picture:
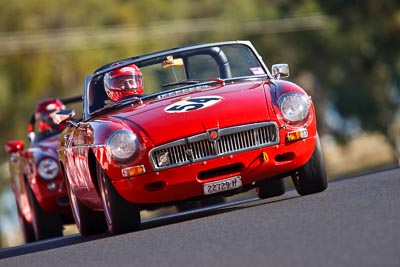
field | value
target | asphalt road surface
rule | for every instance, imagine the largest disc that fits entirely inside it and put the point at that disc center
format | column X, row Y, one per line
column 355, row 222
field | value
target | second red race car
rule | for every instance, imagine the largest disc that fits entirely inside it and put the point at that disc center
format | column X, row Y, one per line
column 37, row 183
column 187, row 123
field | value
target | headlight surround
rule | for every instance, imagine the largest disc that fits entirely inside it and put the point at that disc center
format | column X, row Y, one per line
column 123, row 145
column 48, row 168
column 294, row 107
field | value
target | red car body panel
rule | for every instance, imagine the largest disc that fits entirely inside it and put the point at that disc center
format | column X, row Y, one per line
column 48, row 200
column 23, row 166
column 173, row 184
column 199, row 120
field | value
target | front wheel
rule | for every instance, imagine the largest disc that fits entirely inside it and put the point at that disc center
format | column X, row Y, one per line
column 121, row 215
column 271, row 188
column 312, row 177
column 26, row 227
column 45, row 225
column 88, row 221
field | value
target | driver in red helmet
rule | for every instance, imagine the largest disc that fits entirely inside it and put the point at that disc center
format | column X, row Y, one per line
column 123, row 82
column 44, row 114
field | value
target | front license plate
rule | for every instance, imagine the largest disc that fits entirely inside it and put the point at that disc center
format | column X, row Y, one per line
column 222, row 185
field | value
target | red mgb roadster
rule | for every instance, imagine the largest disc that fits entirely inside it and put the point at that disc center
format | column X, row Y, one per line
column 188, row 123
column 38, row 185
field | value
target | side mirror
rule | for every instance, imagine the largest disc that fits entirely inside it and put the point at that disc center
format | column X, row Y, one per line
column 14, row 146
column 280, row 71
column 63, row 116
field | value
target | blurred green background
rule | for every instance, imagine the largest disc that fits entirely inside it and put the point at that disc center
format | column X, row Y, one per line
column 344, row 53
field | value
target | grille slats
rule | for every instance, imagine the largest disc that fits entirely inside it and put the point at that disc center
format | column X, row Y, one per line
column 231, row 140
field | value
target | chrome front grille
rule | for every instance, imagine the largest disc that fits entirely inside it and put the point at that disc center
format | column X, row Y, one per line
column 214, row 143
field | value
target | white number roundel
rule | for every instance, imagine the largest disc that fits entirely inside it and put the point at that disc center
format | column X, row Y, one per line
column 192, row 104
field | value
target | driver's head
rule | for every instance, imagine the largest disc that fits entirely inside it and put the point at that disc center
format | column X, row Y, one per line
column 123, row 82
column 45, row 111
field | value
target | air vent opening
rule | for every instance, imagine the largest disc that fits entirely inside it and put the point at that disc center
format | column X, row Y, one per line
column 156, row 186
column 229, row 170
column 285, row 157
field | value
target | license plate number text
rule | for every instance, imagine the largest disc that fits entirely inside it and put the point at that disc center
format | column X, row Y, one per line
column 222, row 185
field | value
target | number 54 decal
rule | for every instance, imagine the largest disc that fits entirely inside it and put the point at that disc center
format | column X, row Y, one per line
column 193, row 104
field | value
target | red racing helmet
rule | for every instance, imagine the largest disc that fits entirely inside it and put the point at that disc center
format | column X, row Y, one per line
column 45, row 111
column 123, row 82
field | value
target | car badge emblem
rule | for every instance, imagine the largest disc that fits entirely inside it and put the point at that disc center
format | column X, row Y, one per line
column 213, row 135
column 163, row 159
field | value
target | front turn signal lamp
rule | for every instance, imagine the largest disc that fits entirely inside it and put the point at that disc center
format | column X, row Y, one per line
column 133, row 171
column 297, row 135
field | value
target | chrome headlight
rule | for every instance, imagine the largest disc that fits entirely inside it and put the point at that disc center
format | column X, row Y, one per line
column 294, row 106
column 48, row 168
column 123, row 145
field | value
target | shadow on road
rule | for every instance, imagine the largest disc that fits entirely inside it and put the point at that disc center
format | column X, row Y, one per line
column 170, row 217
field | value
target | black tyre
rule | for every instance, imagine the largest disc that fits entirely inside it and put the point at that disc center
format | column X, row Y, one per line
column 121, row 215
column 312, row 177
column 26, row 228
column 88, row 221
column 271, row 188
column 45, row 225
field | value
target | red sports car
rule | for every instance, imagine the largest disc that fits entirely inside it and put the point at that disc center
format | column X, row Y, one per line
column 187, row 123
column 38, row 185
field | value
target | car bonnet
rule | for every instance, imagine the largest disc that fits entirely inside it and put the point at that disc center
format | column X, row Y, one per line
column 177, row 117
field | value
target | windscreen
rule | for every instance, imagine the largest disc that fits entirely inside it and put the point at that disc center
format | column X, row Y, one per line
column 186, row 68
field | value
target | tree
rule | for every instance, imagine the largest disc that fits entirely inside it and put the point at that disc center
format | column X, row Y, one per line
column 363, row 72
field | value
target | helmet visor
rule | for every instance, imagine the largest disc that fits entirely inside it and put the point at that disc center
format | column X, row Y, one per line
column 127, row 82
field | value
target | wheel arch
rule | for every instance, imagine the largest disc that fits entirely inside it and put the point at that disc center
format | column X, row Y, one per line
column 92, row 162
